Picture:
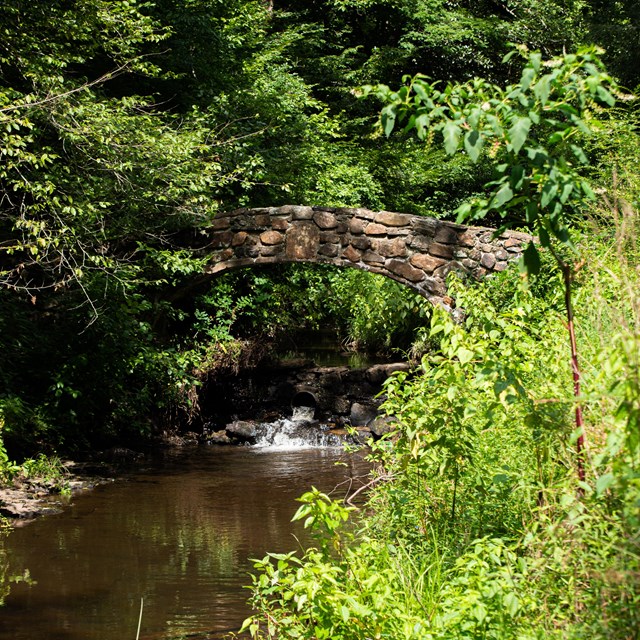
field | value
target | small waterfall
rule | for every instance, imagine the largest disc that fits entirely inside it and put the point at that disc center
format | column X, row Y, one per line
column 298, row 432
column 302, row 414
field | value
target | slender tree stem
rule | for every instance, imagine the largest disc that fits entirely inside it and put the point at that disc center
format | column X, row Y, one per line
column 455, row 490
column 575, row 367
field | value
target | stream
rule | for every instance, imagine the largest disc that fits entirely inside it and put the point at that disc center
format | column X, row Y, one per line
column 178, row 532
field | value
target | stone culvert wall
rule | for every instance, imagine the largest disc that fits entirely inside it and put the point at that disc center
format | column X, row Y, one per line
column 414, row 250
column 339, row 396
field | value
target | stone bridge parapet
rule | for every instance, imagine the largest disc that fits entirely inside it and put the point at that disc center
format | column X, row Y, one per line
column 414, row 250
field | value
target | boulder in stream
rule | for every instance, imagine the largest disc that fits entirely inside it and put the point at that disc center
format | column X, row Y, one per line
column 361, row 414
column 382, row 425
column 242, row 429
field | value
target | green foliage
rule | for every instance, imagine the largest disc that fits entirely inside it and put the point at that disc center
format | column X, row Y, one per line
column 377, row 313
column 530, row 129
column 485, row 422
column 103, row 194
column 370, row 312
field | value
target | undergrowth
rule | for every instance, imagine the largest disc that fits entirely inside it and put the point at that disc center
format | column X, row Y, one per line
column 477, row 525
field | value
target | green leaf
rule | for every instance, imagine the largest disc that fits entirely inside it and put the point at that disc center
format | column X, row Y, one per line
column 451, row 133
column 543, row 235
column 422, row 126
column 505, row 193
column 517, row 176
column 464, row 355
column 542, row 89
column 605, row 96
column 587, row 190
column 604, row 482
column 388, row 117
column 566, row 192
column 579, row 153
column 519, row 132
column 473, row 144
column 528, row 74
column 549, row 192
column 420, row 88
column 535, row 60
column 511, row 603
column 531, row 259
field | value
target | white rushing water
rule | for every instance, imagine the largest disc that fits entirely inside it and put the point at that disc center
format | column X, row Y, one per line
column 303, row 414
column 298, row 432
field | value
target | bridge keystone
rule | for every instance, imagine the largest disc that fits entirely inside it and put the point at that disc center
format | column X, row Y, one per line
column 239, row 238
column 441, row 250
column 426, row 262
column 447, row 235
column 390, row 248
column 406, row 271
column 375, row 229
column 302, row 241
column 352, row 254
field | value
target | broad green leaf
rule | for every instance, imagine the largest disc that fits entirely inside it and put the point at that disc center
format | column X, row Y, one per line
column 451, row 133
column 555, row 137
column 587, row 190
column 605, row 96
column 604, row 482
column 473, row 119
column 511, row 603
column 388, row 117
column 535, row 60
column 422, row 125
column 542, row 89
column 464, row 212
column 549, row 192
column 531, row 259
column 543, row 235
column 473, row 144
column 528, row 74
column 579, row 153
column 566, row 192
column 464, row 355
column 517, row 176
column 505, row 193
column 420, row 88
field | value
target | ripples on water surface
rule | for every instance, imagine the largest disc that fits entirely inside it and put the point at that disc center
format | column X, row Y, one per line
column 178, row 533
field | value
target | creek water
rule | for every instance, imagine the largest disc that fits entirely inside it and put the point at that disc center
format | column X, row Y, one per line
column 178, row 533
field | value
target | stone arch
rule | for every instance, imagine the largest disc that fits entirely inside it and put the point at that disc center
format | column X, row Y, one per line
column 416, row 251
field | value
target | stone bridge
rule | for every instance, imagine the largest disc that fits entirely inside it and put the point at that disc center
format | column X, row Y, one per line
column 416, row 251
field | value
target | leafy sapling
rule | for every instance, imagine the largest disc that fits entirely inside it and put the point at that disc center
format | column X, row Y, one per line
column 532, row 132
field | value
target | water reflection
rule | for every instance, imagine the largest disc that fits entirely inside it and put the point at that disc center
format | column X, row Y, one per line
column 178, row 535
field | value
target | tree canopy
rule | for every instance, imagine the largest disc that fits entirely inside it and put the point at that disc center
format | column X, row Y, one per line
column 125, row 128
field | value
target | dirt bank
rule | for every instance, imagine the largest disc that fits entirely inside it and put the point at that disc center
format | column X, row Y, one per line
column 25, row 498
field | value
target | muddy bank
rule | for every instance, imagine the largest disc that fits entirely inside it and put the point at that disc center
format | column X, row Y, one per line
column 26, row 498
